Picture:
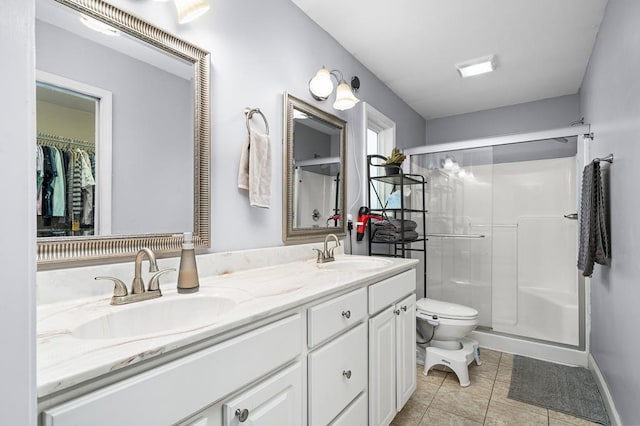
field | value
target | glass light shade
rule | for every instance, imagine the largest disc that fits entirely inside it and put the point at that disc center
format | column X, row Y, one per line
column 188, row 10
column 321, row 85
column 345, row 98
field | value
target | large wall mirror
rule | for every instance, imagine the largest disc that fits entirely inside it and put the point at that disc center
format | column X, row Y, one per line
column 314, row 172
column 122, row 150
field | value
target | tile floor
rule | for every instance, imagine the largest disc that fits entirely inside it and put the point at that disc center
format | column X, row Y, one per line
column 439, row 399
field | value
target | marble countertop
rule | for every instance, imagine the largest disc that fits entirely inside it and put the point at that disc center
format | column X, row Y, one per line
column 65, row 360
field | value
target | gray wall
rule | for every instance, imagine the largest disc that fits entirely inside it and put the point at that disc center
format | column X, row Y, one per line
column 258, row 51
column 152, row 182
column 528, row 117
column 17, row 186
column 611, row 103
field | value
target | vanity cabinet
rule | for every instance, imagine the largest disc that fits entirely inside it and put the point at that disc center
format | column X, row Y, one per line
column 392, row 348
column 346, row 360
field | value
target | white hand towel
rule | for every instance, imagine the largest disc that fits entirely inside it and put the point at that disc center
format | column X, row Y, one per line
column 243, row 170
column 254, row 174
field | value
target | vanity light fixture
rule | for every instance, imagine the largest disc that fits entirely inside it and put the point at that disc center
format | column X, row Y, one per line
column 321, row 86
column 477, row 66
column 98, row 26
column 188, row 10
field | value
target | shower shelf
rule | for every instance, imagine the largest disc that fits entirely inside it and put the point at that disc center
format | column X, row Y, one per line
column 379, row 186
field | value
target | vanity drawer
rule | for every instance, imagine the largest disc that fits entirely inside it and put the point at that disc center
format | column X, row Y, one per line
column 355, row 414
column 329, row 318
column 176, row 390
column 337, row 374
column 276, row 401
column 391, row 290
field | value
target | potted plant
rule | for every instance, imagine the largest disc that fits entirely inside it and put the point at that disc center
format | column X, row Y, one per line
column 394, row 162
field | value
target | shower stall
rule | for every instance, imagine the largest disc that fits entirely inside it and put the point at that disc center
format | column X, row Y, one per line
column 502, row 235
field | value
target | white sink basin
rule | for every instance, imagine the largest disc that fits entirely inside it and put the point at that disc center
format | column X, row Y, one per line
column 159, row 316
column 359, row 264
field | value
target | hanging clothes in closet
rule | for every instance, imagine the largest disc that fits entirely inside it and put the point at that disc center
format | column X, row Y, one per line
column 65, row 186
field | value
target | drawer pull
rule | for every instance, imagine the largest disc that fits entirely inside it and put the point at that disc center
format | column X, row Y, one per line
column 242, row 415
column 346, row 314
column 397, row 312
column 347, row 374
column 404, row 308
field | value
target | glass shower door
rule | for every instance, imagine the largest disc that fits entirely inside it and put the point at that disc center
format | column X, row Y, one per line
column 459, row 195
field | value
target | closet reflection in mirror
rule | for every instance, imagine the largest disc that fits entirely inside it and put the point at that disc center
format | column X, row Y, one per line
column 66, row 185
column 143, row 163
column 315, row 148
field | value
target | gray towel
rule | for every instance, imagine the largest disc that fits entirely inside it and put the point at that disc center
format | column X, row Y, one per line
column 394, row 237
column 594, row 235
column 395, row 225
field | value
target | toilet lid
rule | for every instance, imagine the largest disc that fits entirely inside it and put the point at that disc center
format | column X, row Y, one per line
column 445, row 309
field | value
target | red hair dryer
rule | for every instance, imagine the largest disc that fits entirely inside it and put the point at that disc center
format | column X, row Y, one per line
column 363, row 219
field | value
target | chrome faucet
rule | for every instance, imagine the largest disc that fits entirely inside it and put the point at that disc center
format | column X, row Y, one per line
column 326, row 255
column 138, row 293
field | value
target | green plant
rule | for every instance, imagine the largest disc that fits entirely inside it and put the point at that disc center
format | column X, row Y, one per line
column 396, row 157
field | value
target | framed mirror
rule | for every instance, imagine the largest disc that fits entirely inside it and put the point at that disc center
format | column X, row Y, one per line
column 313, row 172
column 123, row 144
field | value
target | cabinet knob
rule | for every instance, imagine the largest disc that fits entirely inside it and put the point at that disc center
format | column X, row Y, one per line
column 404, row 308
column 347, row 374
column 397, row 312
column 242, row 415
column 346, row 314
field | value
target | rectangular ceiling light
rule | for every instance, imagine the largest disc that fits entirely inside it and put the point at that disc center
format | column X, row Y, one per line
column 477, row 66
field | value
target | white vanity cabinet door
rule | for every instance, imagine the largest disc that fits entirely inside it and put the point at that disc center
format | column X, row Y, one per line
column 330, row 318
column 382, row 367
column 337, row 374
column 405, row 350
column 392, row 360
column 275, row 402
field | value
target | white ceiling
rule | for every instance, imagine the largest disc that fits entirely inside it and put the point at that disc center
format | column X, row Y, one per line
column 542, row 47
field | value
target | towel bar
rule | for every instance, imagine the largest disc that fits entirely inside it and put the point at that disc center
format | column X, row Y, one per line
column 249, row 113
column 608, row 159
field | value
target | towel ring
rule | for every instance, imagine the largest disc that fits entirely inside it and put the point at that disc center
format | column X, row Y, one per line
column 249, row 112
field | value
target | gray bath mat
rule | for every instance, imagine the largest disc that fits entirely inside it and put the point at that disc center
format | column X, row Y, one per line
column 571, row 390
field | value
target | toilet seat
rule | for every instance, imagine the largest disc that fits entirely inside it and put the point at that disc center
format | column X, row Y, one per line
column 430, row 307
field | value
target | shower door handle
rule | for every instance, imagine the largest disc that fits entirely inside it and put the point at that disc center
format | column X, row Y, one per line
column 572, row 216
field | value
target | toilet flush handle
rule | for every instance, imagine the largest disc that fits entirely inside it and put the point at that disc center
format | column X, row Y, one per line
column 433, row 320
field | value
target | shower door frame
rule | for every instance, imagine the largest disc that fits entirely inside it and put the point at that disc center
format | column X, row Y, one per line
column 577, row 355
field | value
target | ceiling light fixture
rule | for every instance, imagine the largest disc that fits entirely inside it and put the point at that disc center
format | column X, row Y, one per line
column 98, row 26
column 188, row 10
column 477, row 66
column 321, row 86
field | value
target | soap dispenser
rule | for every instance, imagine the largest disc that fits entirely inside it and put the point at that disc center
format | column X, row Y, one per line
column 188, row 273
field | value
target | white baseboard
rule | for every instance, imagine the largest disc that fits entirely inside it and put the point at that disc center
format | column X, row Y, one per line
column 614, row 417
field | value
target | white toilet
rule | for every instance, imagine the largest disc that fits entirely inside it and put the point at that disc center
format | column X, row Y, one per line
column 449, row 346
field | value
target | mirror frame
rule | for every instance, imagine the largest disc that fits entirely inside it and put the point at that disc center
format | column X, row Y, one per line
column 68, row 251
column 291, row 235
